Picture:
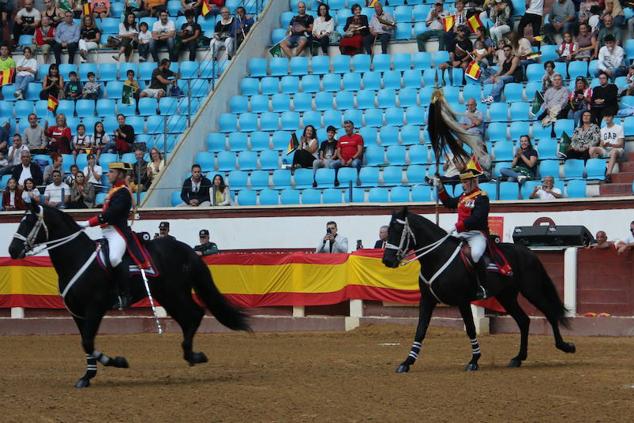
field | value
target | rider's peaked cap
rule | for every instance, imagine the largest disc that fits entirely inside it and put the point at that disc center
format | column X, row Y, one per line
column 120, row 166
column 203, row 232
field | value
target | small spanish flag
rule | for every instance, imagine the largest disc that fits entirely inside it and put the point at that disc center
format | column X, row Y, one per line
column 534, row 56
column 7, row 76
column 473, row 70
column 448, row 22
column 205, row 8
column 86, row 7
column 293, row 143
column 539, row 38
column 372, row 3
column 52, row 103
column 474, row 23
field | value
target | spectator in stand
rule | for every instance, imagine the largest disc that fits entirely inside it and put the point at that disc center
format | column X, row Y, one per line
column 627, row 243
column 629, row 78
column 586, row 43
column 89, row 38
column 561, row 19
column 533, row 16
column 6, row 61
column 521, row 46
column 156, row 165
column 611, row 145
column 100, row 8
column 164, row 231
column 586, row 136
column 27, row 169
column 155, row 7
column 52, row 12
column 93, row 171
column 139, row 178
column 472, row 119
column 45, row 37
column 191, row 5
column 26, row 20
column 609, row 29
column 73, row 6
column 611, row 59
column 70, row 179
column 3, row 161
column 327, row 152
column 59, row 135
column 145, row 41
column 133, row 84
column 434, row 28
column 206, row 248
column 333, row 242
column 306, row 152
column 567, row 48
column 510, row 71
column 102, row 141
column 128, row 33
column 223, row 37
column 82, row 142
column 216, row 6
column 602, row 242
column 300, row 30
column 349, row 151
column 483, row 50
column 92, row 88
column 382, row 237
column 613, row 8
column 604, row 99
column 73, row 88
column 135, row 6
column 14, row 155
column 323, row 27
column 195, row 191
column 57, row 193
column 160, row 80
column 26, row 68
column 123, row 135
column 555, row 104
column 459, row 50
column 5, row 129
column 57, row 164
column 547, row 190
column 524, row 164
column 241, row 25
column 189, row 35
column 12, row 196
column 549, row 74
column 460, row 18
column 30, row 193
column 163, row 35
column 356, row 36
column 66, row 36
column 501, row 17
column 382, row 26
column 579, row 100
column 34, row 136
column 219, row 193
column 82, row 193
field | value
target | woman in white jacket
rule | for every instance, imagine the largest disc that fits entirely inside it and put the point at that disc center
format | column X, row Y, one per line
column 323, row 27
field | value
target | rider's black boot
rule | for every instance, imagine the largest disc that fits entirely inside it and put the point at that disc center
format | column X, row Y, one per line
column 121, row 278
column 481, row 271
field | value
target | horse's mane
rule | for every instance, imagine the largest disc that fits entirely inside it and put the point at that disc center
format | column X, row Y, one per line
column 65, row 218
column 419, row 220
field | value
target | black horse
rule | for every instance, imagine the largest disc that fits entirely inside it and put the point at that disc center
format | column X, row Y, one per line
column 91, row 291
column 444, row 278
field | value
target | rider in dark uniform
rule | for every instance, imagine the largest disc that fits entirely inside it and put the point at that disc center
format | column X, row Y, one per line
column 113, row 221
column 473, row 219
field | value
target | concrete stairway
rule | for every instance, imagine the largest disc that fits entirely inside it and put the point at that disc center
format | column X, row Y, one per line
column 621, row 182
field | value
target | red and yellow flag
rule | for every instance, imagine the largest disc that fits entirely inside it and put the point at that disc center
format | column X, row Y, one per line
column 474, row 23
column 86, row 7
column 205, row 8
column 448, row 22
column 473, row 70
column 7, row 76
column 52, row 103
column 372, row 3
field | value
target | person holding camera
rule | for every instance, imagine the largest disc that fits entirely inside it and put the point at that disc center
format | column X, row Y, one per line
column 547, row 190
column 332, row 241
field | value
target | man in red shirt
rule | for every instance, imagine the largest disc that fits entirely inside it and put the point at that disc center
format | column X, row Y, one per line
column 349, row 151
column 59, row 136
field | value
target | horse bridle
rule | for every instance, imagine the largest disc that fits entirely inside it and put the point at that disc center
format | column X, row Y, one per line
column 408, row 236
column 30, row 248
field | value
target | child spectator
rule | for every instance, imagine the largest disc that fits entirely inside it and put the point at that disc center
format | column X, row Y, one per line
column 73, row 88
column 101, row 140
column 30, row 194
column 26, row 68
column 12, row 196
column 92, row 89
column 547, row 79
column 567, row 48
column 145, row 36
column 93, row 171
column 132, row 83
column 82, row 142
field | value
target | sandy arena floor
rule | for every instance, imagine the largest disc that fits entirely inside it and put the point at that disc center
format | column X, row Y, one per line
column 317, row 378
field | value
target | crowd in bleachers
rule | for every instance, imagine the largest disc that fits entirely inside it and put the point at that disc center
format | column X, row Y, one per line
column 544, row 77
column 98, row 112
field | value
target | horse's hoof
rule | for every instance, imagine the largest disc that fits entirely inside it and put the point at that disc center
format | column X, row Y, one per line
column 120, row 363
column 472, row 367
column 568, row 347
column 515, row 363
column 82, row 383
column 197, row 358
column 403, row 368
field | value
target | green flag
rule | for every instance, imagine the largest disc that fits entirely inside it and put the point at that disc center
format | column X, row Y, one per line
column 564, row 145
column 65, row 5
column 537, row 102
column 127, row 94
column 276, row 50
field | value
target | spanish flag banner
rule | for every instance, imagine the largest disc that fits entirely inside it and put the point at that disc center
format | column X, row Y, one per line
column 293, row 143
column 473, row 70
column 448, row 22
column 205, row 8
column 52, row 103
column 7, row 76
column 474, row 23
column 86, row 7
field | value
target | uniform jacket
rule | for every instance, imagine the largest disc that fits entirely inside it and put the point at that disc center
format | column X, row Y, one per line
column 473, row 210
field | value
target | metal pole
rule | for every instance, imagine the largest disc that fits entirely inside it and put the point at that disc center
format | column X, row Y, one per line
column 437, row 199
column 138, row 183
column 165, row 138
column 189, row 102
column 350, row 191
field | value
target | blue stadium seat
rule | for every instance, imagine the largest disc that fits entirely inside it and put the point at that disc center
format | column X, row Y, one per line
column 66, row 68
column 344, row 100
column 228, row 122
column 278, row 66
column 325, row 177
column 386, row 98
column 513, row 93
column 564, row 125
column 366, row 99
column 416, row 115
column 249, row 86
column 239, row 104
column 269, row 121
column 353, row 115
column 290, row 84
column 281, row 103
column 331, row 196
column 281, row 178
column 66, row 107
column 372, row 81
column 303, row 178
column 628, row 126
column 361, row 62
column 106, row 72
column 147, row 106
column 369, row 176
column 519, row 111
column 518, row 129
column 595, row 169
column 175, row 198
column 259, row 141
column 394, row 116
column 340, row 64
column 323, row 101
column 392, row 80
column 578, row 68
column 259, row 179
column 416, row 174
column 374, row 155
column 535, row 72
column 381, row 62
column 392, row 175
column 277, row 35
column 399, row 195
column 320, row 65
column 549, row 52
column 289, row 121
column 247, row 197
column 403, row 31
column 418, row 154
column 168, row 106
column 496, row 131
column 369, row 135
column 332, row 81
column 412, row 78
column 421, row 193
column 289, row 196
column 299, row 66
column 402, row 61
column 145, row 70
column 498, row 112
column 205, row 160
column 303, row 103
column 389, row 135
column 378, row 195
column 256, row 67
column 104, row 107
column 509, row 191
column 540, row 132
column 259, row 104
column 22, row 108
column 238, row 141
column 576, row 189
column 373, row 117
column 312, row 118
column 396, row 155
column 347, row 175
column 311, row 196
column 216, row 141
column 408, row 98
column 247, row 160
column 189, row 69
column 269, row 160
column 280, row 140
column 269, row 85
column 547, row 149
column 125, row 109
column 503, row 151
column 550, row 168
column 269, row 197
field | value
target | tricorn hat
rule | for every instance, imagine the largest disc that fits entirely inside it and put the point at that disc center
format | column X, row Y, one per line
column 472, row 170
column 120, row 166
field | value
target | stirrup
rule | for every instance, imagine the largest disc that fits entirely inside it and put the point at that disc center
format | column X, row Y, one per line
column 122, row 302
column 481, row 293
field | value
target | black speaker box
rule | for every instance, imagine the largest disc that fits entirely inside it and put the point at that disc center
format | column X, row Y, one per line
column 552, row 236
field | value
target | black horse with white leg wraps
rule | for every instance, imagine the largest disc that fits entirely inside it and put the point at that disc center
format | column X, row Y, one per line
column 89, row 292
column 445, row 278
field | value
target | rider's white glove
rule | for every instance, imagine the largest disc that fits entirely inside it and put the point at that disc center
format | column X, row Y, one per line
column 84, row 224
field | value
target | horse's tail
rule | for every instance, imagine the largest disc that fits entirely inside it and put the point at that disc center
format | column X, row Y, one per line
column 230, row 316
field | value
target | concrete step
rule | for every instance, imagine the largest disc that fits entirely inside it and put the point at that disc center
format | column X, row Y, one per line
column 615, row 189
column 623, row 177
column 627, row 166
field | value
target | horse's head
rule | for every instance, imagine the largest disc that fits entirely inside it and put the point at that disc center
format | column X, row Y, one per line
column 32, row 231
column 400, row 239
